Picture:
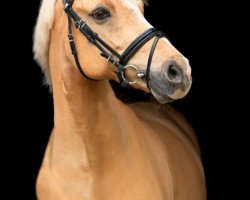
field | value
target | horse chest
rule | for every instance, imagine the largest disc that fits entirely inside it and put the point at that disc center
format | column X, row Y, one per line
column 118, row 183
column 139, row 177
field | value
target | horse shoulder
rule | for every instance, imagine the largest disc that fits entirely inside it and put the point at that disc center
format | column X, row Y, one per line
column 166, row 117
column 174, row 149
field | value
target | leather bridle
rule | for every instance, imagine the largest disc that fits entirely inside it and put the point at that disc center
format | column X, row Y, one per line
column 120, row 61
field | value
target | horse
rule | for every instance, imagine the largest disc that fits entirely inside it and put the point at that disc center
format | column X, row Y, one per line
column 100, row 147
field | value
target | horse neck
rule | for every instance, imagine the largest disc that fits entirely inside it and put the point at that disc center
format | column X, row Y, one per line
column 86, row 118
column 82, row 106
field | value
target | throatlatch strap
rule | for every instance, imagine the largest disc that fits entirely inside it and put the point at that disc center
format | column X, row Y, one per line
column 73, row 49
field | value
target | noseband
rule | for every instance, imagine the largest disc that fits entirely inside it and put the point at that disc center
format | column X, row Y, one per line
column 106, row 51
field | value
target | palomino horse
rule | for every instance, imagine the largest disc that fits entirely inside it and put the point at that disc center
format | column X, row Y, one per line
column 101, row 148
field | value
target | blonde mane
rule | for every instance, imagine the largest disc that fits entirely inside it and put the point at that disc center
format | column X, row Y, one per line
column 42, row 37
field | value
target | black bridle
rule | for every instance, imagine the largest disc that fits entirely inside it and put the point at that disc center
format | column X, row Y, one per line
column 107, row 51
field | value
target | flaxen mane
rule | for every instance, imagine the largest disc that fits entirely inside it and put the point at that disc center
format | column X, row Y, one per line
column 42, row 36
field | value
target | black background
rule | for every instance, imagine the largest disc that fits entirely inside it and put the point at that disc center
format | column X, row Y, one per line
column 202, row 32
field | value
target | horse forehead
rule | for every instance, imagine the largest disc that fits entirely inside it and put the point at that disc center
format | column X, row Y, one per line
column 131, row 4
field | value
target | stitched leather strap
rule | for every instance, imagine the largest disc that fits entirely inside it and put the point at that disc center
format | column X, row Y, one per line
column 150, row 59
column 107, row 51
column 74, row 50
column 137, row 44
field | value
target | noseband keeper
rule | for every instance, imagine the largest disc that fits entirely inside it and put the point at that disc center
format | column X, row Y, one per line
column 106, row 51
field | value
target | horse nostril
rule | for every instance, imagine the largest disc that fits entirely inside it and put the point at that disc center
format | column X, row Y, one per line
column 173, row 73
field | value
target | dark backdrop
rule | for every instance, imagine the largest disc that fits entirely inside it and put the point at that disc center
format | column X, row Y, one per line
column 199, row 32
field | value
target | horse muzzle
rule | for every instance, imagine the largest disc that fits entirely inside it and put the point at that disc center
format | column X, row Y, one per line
column 171, row 83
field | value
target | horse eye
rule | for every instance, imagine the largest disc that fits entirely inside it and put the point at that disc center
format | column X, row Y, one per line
column 100, row 13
